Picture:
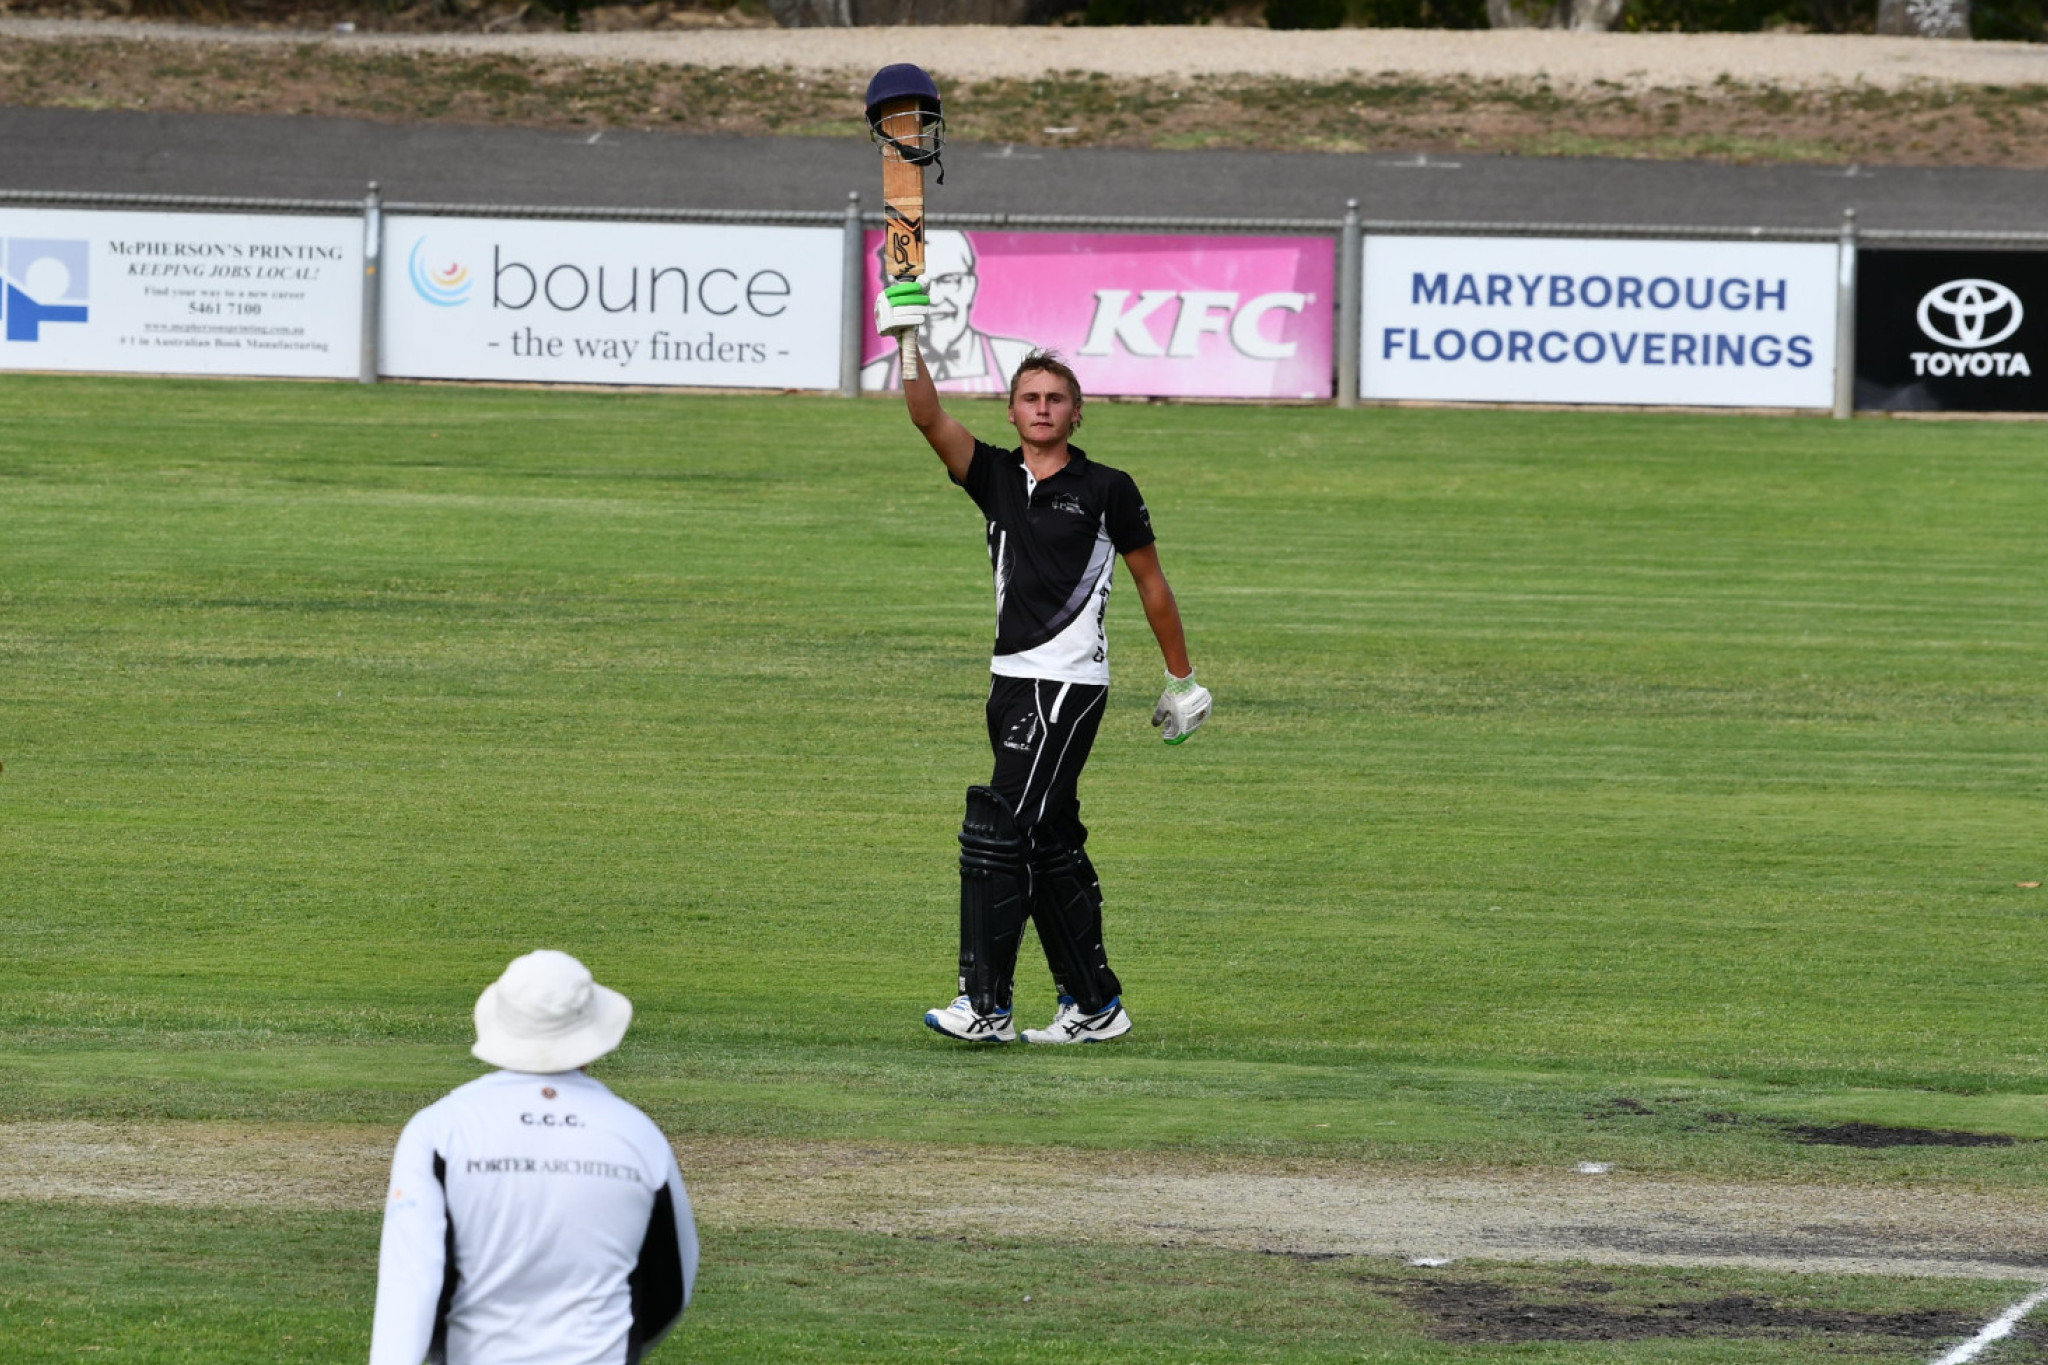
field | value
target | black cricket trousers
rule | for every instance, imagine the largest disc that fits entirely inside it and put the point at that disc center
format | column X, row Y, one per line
column 1041, row 732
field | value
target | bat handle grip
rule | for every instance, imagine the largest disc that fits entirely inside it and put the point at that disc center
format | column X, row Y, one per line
column 906, row 346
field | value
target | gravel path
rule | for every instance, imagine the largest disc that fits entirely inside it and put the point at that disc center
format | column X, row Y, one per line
column 1124, row 1197
column 1567, row 60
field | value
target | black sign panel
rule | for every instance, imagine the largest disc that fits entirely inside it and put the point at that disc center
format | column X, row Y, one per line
column 1952, row 331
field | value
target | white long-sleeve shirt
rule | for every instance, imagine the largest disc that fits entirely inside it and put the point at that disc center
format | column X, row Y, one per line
column 532, row 1220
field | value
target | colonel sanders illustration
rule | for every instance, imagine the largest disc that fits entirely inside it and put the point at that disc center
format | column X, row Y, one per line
column 960, row 358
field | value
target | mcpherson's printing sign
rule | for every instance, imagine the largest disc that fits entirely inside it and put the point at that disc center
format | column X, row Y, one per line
column 611, row 303
column 1561, row 320
column 180, row 293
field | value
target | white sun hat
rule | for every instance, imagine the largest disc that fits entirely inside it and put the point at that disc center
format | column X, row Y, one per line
column 547, row 1014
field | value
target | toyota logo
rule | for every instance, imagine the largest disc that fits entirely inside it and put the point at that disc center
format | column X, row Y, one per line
column 1964, row 313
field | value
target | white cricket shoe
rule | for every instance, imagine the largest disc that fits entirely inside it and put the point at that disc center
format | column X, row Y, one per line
column 958, row 1020
column 1069, row 1025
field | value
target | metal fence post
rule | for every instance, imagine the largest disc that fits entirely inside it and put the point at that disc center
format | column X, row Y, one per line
column 373, row 258
column 853, row 297
column 1845, row 320
column 1350, row 303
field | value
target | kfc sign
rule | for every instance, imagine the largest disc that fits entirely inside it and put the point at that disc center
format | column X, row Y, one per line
column 1121, row 324
column 1157, row 316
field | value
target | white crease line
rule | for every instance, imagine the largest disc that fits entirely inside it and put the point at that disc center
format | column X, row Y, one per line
column 1995, row 1330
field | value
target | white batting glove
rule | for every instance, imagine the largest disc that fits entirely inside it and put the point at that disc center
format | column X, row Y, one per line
column 1182, row 708
column 902, row 308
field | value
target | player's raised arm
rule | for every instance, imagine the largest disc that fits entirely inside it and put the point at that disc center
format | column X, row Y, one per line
column 900, row 310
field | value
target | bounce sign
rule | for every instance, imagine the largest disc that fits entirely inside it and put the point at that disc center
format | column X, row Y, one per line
column 611, row 303
column 1561, row 320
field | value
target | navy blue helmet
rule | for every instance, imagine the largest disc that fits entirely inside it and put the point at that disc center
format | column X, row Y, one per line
column 903, row 81
column 906, row 82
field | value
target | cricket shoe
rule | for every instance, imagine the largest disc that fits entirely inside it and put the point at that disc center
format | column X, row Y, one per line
column 958, row 1020
column 1069, row 1025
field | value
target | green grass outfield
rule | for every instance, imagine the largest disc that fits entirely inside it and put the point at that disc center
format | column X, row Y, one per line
column 1558, row 758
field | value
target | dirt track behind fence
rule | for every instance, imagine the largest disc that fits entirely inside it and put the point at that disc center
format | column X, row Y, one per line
column 1573, row 61
column 1721, row 97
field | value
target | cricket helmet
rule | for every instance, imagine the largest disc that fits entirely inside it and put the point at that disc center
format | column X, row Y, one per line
column 904, row 81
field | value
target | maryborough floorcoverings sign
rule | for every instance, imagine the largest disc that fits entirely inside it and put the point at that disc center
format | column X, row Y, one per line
column 1565, row 320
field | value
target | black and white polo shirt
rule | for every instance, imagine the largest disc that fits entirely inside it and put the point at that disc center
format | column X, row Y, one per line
column 1053, row 544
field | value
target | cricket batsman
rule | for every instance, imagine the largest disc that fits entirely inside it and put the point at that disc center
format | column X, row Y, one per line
column 1055, row 521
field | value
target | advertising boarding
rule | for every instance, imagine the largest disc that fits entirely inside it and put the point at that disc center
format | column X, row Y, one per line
column 180, row 293
column 1564, row 320
column 1153, row 316
column 1951, row 331
column 611, row 303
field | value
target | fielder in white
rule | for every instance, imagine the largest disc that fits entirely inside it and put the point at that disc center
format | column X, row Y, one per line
column 534, row 1217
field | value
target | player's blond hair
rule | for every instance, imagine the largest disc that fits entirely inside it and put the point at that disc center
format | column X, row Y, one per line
column 1046, row 362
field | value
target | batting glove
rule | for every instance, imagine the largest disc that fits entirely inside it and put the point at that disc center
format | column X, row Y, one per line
column 1182, row 708
column 902, row 307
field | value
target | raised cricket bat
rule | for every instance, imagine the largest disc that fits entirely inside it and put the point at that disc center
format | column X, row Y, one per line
column 908, row 123
column 902, row 211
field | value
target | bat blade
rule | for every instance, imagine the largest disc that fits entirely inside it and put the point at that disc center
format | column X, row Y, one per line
column 902, row 211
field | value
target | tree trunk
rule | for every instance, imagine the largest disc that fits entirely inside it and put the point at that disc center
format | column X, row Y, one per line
column 842, row 13
column 811, row 13
column 1596, row 16
column 1525, row 13
column 1584, row 16
column 1924, row 18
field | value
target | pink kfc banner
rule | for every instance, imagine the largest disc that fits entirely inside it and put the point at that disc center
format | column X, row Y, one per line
column 1164, row 317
